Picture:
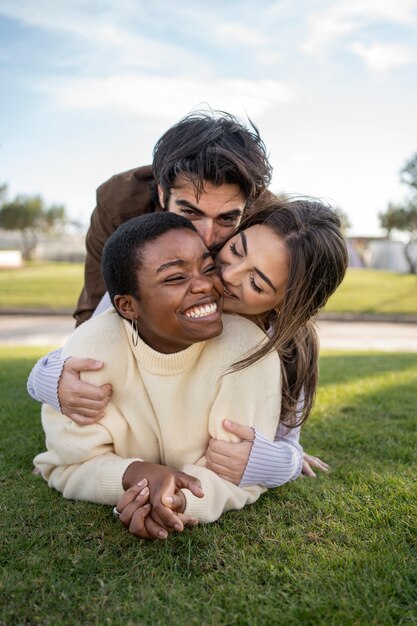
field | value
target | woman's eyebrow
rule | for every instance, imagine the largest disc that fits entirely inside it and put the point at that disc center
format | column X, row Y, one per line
column 244, row 242
column 180, row 262
column 265, row 278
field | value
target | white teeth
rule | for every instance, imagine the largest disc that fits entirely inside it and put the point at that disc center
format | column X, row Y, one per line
column 202, row 311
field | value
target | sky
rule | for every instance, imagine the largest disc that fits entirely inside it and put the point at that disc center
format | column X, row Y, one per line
column 88, row 86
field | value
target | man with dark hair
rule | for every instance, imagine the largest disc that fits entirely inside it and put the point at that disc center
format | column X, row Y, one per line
column 208, row 167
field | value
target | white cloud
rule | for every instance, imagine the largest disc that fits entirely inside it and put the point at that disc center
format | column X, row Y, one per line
column 342, row 17
column 147, row 97
column 102, row 31
column 267, row 58
column 232, row 33
column 383, row 57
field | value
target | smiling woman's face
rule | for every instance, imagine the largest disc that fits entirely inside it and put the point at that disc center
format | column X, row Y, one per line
column 254, row 271
column 180, row 292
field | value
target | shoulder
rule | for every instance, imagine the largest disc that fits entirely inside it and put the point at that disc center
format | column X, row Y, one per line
column 127, row 194
column 240, row 338
column 98, row 338
column 242, row 331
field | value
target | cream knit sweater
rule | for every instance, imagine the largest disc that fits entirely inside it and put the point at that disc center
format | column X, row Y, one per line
column 163, row 410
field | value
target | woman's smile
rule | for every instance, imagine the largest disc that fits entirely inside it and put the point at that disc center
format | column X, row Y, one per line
column 203, row 311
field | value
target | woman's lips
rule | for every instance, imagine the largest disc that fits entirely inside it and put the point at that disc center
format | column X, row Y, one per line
column 227, row 292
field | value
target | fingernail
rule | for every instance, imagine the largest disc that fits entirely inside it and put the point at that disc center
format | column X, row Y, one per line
column 227, row 423
column 178, row 527
column 142, row 482
column 144, row 491
column 163, row 534
column 98, row 363
column 167, row 499
column 146, row 506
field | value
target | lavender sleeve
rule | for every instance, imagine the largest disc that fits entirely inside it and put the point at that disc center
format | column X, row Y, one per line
column 274, row 463
column 42, row 384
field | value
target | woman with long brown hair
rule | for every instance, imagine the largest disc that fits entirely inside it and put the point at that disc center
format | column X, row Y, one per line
column 279, row 270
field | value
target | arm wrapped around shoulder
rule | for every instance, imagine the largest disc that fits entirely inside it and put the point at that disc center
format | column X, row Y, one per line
column 250, row 396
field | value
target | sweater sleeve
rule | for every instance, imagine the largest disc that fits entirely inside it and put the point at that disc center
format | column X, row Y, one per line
column 275, row 463
column 42, row 384
column 239, row 400
column 80, row 461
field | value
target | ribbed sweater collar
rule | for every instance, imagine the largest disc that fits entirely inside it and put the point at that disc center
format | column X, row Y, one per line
column 163, row 364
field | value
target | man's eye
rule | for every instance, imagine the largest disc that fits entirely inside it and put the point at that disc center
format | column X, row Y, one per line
column 228, row 220
column 190, row 214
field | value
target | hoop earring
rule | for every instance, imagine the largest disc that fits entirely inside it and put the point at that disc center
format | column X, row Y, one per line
column 135, row 332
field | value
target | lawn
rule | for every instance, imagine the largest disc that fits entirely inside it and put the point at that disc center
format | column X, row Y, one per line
column 377, row 292
column 51, row 286
column 339, row 550
column 56, row 286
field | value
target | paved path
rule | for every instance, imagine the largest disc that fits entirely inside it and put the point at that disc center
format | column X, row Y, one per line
column 385, row 336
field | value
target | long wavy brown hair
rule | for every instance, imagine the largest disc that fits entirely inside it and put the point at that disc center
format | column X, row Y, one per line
column 318, row 259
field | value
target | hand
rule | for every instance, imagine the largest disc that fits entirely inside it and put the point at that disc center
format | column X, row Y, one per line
column 227, row 459
column 313, row 461
column 135, row 511
column 82, row 402
column 164, row 482
column 134, row 507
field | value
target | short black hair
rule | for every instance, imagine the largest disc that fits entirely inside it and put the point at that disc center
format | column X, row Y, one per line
column 212, row 146
column 122, row 254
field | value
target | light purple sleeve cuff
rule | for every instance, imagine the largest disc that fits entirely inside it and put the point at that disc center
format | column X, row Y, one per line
column 272, row 463
column 42, row 384
column 103, row 305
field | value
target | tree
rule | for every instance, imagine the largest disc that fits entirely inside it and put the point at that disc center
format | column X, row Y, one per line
column 345, row 223
column 408, row 174
column 403, row 217
column 30, row 216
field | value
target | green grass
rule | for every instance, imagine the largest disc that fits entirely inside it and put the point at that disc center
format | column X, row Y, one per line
column 339, row 550
column 56, row 286
column 377, row 292
column 52, row 286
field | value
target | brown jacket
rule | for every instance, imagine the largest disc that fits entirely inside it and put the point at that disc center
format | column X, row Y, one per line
column 120, row 198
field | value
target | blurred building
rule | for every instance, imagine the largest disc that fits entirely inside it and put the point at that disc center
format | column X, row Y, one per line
column 68, row 246
column 378, row 253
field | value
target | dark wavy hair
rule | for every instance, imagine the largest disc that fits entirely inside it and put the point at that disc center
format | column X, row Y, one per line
column 318, row 260
column 212, row 146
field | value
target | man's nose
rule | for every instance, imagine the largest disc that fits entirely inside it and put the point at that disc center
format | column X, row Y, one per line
column 206, row 230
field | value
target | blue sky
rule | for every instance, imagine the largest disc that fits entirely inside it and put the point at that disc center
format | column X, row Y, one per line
column 88, row 86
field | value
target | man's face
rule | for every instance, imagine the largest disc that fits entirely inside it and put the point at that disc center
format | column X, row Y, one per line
column 180, row 292
column 215, row 214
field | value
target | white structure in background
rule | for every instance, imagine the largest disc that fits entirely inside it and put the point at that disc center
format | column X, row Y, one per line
column 10, row 259
column 378, row 253
column 69, row 246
